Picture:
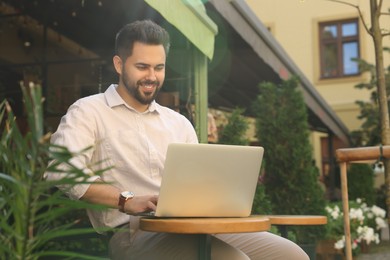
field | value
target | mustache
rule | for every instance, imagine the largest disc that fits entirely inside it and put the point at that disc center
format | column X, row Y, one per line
column 149, row 82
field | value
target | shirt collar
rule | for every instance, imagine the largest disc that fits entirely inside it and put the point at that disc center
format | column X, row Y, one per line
column 114, row 99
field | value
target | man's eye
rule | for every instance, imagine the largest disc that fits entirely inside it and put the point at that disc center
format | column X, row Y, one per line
column 159, row 68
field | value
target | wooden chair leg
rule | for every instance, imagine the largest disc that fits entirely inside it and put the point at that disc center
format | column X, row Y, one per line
column 344, row 195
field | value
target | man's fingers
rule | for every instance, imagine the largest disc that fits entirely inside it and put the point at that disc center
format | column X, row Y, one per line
column 151, row 205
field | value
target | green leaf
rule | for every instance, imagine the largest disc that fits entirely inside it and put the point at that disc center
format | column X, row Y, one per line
column 33, row 215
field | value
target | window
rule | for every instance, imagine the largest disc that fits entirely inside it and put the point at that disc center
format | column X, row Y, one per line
column 339, row 44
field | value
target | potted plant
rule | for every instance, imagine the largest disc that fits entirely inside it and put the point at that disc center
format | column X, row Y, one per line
column 30, row 207
column 365, row 225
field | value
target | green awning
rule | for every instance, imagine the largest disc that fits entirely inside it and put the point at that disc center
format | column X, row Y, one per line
column 190, row 18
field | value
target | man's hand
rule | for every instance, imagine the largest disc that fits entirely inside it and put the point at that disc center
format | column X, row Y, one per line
column 141, row 204
column 106, row 194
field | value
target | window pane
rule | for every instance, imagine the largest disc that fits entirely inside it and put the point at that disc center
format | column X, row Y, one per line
column 329, row 31
column 339, row 43
column 330, row 60
column 350, row 50
column 349, row 29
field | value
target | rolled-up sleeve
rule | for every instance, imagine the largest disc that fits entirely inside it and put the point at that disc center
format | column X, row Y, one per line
column 76, row 132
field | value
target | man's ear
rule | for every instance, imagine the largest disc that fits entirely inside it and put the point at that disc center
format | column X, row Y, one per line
column 117, row 64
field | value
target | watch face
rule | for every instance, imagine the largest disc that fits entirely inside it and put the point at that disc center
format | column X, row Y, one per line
column 127, row 194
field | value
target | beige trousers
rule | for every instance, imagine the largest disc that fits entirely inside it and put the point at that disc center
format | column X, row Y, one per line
column 164, row 246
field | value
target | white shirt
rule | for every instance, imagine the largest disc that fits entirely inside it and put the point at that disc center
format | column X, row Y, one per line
column 133, row 143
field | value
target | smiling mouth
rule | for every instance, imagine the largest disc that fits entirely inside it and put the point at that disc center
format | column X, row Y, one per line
column 148, row 86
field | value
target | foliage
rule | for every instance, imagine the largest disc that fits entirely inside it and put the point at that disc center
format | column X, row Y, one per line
column 381, row 196
column 361, row 183
column 261, row 202
column 369, row 134
column 234, row 131
column 91, row 243
column 365, row 223
column 30, row 207
column 291, row 178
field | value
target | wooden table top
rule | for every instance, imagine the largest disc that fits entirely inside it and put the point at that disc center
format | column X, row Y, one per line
column 297, row 219
column 205, row 225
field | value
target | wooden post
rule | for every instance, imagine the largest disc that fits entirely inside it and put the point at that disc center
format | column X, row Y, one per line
column 344, row 195
column 201, row 95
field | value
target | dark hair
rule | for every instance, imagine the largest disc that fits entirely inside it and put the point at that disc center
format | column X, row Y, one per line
column 144, row 31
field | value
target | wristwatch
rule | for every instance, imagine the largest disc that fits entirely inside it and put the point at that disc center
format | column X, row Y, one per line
column 123, row 197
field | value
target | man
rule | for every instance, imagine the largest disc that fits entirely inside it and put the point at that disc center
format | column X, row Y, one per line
column 131, row 132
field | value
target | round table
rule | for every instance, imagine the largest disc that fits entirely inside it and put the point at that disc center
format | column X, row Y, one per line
column 204, row 227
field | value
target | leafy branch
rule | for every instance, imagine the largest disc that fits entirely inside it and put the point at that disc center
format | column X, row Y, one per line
column 30, row 206
column 377, row 15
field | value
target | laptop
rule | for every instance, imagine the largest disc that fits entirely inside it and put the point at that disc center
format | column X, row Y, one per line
column 209, row 180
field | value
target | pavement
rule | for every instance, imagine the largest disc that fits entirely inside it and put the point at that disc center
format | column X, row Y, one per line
column 377, row 252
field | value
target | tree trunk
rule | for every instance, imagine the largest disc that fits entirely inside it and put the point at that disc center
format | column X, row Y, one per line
column 382, row 95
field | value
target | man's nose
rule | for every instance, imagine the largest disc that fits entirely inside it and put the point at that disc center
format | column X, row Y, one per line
column 152, row 74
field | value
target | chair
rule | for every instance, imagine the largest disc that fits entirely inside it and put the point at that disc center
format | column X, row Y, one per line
column 355, row 155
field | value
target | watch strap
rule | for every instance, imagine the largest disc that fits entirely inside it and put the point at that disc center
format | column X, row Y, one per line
column 122, row 200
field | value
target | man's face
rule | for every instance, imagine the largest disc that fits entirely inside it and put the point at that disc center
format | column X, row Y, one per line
column 143, row 72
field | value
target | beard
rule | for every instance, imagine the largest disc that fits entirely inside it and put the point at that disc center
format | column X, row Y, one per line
column 134, row 89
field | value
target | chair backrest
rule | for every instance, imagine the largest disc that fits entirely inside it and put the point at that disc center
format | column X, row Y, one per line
column 355, row 155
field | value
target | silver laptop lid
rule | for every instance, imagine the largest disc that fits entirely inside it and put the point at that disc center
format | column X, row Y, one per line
column 209, row 180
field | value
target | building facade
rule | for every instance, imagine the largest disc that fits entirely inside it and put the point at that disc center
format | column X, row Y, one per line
column 322, row 37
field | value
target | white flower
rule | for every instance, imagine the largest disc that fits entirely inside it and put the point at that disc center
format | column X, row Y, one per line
column 356, row 214
column 329, row 209
column 365, row 223
column 380, row 223
column 340, row 244
column 365, row 208
column 379, row 212
column 335, row 212
column 377, row 240
column 368, row 234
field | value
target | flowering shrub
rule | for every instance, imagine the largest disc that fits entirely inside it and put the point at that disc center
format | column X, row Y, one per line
column 365, row 224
